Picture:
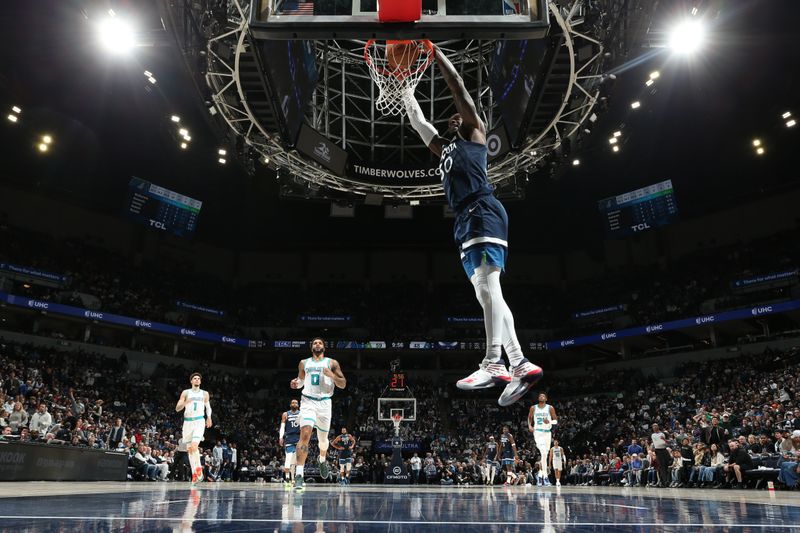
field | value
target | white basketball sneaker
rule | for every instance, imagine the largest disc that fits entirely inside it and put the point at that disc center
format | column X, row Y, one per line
column 485, row 377
column 523, row 377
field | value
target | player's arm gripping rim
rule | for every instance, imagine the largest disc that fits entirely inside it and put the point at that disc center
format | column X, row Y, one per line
column 181, row 403
column 472, row 127
column 297, row 383
column 335, row 373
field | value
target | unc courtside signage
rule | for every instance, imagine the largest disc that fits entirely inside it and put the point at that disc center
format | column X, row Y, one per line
column 126, row 321
column 705, row 320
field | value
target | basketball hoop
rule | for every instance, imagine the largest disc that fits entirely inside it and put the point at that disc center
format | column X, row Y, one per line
column 396, row 419
column 394, row 82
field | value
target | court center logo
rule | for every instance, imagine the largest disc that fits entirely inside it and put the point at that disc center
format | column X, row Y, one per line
column 494, row 144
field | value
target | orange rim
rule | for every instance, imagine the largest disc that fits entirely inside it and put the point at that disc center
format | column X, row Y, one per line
column 426, row 45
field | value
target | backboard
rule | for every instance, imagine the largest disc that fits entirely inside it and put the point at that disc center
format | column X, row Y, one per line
column 358, row 19
column 388, row 406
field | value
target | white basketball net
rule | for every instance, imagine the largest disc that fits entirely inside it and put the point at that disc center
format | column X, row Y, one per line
column 394, row 82
column 396, row 419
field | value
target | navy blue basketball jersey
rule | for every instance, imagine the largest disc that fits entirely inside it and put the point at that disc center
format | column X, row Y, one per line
column 292, row 432
column 345, row 441
column 505, row 442
column 463, row 168
column 491, row 450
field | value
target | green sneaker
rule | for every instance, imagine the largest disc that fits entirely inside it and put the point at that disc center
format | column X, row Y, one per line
column 324, row 469
column 298, row 483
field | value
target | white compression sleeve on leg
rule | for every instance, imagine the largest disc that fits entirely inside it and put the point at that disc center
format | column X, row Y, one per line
column 504, row 319
column 425, row 129
column 492, row 313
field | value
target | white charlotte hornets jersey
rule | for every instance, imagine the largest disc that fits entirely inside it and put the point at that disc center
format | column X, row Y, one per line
column 540, row 414
column 195, row 403
column 317, row 385
column 557, row 455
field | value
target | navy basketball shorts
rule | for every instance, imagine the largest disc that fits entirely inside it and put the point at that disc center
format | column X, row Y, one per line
column 481, row 233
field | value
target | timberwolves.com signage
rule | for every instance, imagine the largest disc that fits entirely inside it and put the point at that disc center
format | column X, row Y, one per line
column 384, row 174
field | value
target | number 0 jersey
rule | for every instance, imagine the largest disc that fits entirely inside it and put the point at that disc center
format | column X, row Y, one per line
column 463, row 168
column 317, row 385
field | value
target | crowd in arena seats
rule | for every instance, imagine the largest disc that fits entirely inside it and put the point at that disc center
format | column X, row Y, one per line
column 726, row 422
column 98, row 279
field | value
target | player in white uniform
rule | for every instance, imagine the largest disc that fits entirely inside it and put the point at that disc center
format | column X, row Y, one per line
column 194, row 402
column 317, row 376
column 557, row 459
column 541, row 418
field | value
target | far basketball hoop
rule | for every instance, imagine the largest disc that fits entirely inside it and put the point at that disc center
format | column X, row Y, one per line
column 397, row 417
column 396, row 67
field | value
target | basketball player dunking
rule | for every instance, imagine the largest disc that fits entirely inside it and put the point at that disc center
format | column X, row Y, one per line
column 193, row 402
column 541, row 419
column 345, row 443
column 317, row 376
column 481, row 233
column 289, row 436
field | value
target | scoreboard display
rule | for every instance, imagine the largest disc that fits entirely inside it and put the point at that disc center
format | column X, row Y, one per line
column 639, row 210
column 162, row 209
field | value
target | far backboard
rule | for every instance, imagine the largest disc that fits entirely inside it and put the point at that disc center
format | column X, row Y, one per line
column 358, row 19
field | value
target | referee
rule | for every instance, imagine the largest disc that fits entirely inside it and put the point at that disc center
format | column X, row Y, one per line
column 662, row 454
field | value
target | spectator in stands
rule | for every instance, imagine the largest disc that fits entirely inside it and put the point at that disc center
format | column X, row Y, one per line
column 416, row 466
column 789, row 464
column 701, row 459
column 142, row 465
column 739, row 461
column 41, row 420
column 117, row 434
column 634, row 448
column 715, row 434
column 18, row 417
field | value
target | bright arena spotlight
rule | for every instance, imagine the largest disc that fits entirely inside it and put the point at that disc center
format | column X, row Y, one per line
column 687, row 37
column 116, row 36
